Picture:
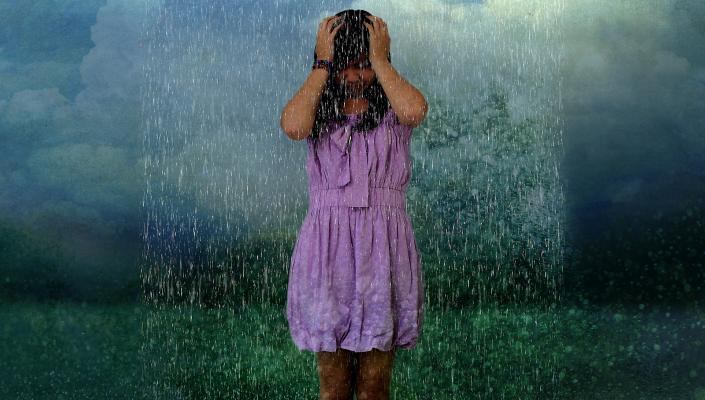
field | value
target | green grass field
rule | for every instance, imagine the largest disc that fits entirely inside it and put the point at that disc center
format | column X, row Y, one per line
column 75, row 351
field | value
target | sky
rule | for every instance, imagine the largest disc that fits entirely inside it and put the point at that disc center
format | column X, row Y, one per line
column 73, row 74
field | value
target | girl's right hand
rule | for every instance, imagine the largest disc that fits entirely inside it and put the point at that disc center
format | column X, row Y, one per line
column 325, row 38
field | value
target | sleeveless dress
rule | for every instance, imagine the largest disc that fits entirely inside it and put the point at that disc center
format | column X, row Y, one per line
column 355, row 279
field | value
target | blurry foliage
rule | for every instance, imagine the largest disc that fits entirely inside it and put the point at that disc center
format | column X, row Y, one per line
column 31, row 267
column 642, row 259
column 486, row 204
column 253, row 270
column 259, row 270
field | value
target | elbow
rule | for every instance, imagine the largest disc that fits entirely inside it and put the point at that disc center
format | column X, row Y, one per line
column 415, row 118
column 292, row 130
column 421, row 116
column 294, row 134
column 289, row 131
column 422, row 113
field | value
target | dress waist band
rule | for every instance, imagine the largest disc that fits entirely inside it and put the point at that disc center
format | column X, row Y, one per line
column 378, row 196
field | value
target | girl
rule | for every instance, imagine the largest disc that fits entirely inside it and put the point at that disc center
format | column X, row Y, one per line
column 355, row 290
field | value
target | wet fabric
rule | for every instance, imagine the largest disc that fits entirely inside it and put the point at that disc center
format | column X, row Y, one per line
column 355, row 279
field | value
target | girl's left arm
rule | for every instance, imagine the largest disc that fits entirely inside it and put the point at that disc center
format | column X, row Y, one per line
column 408, row 103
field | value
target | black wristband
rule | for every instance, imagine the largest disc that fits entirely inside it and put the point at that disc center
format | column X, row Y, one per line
column 323, row 64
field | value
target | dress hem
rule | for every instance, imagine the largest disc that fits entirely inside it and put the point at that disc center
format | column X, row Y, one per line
column 365, row 345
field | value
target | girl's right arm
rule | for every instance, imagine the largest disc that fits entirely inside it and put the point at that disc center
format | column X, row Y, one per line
column 299, row 114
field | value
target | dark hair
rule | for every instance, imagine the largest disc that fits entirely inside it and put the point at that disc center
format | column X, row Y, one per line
column 351, row 41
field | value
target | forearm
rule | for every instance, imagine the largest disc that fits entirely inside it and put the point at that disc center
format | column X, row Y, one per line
column 300, row 112
column 408, row 102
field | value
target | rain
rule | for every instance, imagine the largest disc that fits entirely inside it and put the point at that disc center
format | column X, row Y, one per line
column 152, row 204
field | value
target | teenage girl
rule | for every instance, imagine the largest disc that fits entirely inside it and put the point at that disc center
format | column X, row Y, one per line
column 355, row 289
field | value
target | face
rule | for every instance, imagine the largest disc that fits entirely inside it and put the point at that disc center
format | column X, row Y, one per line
column 356, row 77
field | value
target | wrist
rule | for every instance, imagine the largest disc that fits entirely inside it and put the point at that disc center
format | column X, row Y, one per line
column 323, row 63
column 324, row 71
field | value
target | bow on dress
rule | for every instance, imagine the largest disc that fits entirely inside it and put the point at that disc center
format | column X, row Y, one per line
column 353, row 170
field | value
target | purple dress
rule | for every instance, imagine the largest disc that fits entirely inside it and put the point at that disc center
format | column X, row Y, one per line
column 355, row 280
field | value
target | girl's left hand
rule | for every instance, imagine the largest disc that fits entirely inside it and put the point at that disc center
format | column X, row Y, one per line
column 379, row 39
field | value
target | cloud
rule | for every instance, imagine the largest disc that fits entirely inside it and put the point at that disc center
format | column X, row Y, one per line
column 633, row 104
column 97, row 132
column 82, row 152
column 103, row 176
column 33, row 105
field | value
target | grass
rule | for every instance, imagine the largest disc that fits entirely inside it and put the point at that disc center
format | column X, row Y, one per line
column 80, row 351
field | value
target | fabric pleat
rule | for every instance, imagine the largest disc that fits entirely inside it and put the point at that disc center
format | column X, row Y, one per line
column 355, row 279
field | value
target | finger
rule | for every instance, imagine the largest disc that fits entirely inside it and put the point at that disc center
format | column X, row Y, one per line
column 325, row 21
column 331, row 20
column 371, row 30
column 338, row 21
column 381, row 21
column 329, row 25
column 337, row 28
column 382, row 25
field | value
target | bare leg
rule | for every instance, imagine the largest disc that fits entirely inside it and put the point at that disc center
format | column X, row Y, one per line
column 374, row 374
column 335, row 374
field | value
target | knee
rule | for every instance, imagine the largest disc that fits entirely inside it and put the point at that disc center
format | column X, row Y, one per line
column 372, row 391
column 339, row 389
column 374, row 376
column 334, row 395
column 335, row 375
column 373, row 383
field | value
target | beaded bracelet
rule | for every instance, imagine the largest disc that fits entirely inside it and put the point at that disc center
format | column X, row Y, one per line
column 323, row 64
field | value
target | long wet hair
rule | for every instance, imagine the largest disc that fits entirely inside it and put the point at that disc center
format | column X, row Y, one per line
column 351, row 41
